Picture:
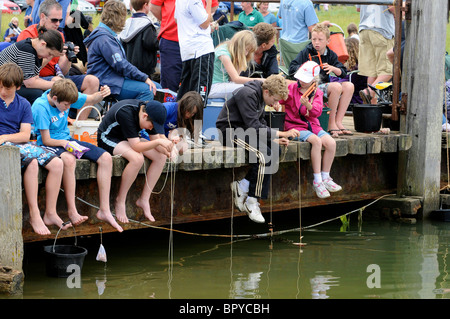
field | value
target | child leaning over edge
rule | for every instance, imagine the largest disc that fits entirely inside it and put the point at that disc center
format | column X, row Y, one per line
column 119, row 134
column 302, row 111
column 15, row 129
column 50, row 113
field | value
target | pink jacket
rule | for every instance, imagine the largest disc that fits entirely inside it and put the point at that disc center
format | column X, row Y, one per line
column 291, row 106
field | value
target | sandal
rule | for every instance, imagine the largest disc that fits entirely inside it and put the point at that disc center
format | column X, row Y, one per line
column 365, row 97
column 334, row 133
column 346, row 131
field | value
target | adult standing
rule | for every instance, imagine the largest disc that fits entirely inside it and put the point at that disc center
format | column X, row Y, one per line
column 169, row 48
column 376, row 34
column 300, row 16
column 196, row 47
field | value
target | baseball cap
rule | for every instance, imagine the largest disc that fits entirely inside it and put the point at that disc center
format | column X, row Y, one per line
column 157, row 113
column 307, row 71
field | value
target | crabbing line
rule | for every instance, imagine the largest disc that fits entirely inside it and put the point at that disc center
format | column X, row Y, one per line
column 260, row 235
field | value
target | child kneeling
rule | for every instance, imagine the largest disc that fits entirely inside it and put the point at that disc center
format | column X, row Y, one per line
column 302, row 112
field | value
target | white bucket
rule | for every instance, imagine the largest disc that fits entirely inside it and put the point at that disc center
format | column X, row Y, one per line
column 86, row 130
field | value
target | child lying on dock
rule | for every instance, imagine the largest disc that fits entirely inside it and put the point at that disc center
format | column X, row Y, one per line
column 15, row 129
column 50, row 113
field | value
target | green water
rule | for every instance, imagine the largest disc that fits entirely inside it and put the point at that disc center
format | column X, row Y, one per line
column 375, row 259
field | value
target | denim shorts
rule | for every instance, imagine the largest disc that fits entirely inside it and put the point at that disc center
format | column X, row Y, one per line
column 93, row 154
column 324, row 88
column 304, row 135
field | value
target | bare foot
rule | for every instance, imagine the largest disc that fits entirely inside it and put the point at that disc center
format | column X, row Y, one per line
column 54, row 219
column 76, row 218
column 39, row 226
column 121, row 213
column 145, row 205
column 108, row 217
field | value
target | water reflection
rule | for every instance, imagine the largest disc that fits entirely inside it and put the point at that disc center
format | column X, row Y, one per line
column 412, row 262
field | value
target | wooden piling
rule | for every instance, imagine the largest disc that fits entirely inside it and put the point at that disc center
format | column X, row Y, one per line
column 423, row 80
column 11, row 242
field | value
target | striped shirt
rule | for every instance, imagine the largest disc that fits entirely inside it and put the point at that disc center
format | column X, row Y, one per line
column 25, row 56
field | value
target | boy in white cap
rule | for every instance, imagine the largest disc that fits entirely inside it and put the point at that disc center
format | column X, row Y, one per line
column 303, row 107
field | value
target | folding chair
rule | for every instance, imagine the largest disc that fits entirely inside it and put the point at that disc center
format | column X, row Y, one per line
column 288, row 53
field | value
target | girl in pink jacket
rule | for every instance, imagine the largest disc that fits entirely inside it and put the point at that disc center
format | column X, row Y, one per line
column 303, row 108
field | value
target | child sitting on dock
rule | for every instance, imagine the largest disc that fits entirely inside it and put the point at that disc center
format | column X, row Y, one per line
column 15, row 129
column 50, row 113
column 242, row 123
column 339, row 94
column 119, row 134
column 303, row 107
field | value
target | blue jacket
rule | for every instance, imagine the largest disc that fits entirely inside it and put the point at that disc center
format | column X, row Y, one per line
column 107, row 59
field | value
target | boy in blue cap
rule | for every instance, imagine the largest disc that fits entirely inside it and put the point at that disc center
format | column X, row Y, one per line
column 119, row 134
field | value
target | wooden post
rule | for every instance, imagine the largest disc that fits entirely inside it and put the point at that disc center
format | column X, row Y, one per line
column 11, row 241
column 423, row 81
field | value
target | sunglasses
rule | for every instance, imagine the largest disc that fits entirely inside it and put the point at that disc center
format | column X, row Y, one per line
column 54, row 20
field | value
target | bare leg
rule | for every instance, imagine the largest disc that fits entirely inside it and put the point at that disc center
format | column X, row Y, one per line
column 346, row 97
column 30, row 183
column 316, row 152
column 330, row 150
column 90, row 85
column 104, row 186
column 69, row 183
column 374, row 80
column 129, row 174
column 52, row 186
column 334, row 95
column 158, row 160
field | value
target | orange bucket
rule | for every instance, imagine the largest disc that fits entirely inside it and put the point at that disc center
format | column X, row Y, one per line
column 337, row 44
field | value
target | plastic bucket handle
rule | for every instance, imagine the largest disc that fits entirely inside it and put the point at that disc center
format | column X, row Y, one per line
column 64, row 224
column 335, row 25
column 88, row 107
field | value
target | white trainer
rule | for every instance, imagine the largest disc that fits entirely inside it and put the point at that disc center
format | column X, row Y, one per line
column 331, row 186
column 320, row 189
column 253, row 211
column 239, row 196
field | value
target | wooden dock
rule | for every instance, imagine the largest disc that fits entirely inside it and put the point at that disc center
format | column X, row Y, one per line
column 365, row 166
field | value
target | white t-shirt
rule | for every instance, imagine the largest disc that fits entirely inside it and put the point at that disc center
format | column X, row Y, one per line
column 194, row 41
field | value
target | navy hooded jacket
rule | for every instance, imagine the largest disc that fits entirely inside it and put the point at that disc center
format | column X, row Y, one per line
column 107, row 59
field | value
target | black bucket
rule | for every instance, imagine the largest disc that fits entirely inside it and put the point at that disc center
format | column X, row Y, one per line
column 59, row 257
column 275, row 120
column 367, row 118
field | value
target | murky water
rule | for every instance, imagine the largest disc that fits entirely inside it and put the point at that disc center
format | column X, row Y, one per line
column 372, row 259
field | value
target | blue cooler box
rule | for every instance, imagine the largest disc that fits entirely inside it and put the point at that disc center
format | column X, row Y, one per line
column 210, row 114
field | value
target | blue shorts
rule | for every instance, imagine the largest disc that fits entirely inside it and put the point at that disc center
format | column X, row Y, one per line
column 304, row 135
column 77, row 79
column 93, row 154
column 29, row 152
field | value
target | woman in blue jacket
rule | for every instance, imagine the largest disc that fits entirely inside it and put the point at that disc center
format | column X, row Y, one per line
column 107, row 59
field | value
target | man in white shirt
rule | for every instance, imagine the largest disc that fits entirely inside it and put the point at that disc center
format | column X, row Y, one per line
column 196, row 46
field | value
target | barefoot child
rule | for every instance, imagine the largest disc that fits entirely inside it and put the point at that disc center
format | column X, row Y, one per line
column 15, row 128
column 302, row 111
column 50, row 113
column 119, row 135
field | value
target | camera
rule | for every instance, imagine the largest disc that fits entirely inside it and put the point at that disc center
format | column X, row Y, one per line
column 70, row 53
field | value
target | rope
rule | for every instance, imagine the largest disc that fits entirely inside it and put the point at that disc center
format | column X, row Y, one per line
column 249, row 236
